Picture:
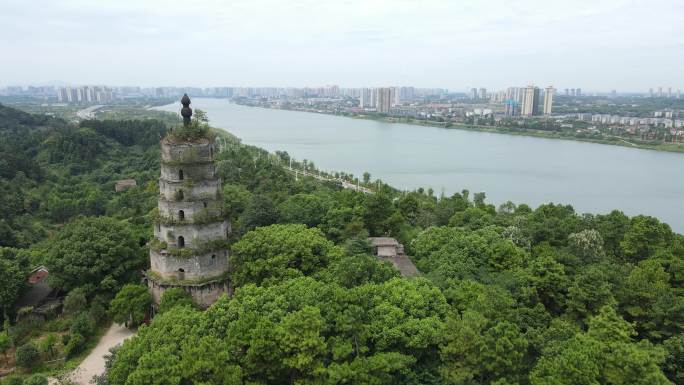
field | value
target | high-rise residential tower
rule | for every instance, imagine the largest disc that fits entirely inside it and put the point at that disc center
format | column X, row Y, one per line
column 548, row 99
column 189, row 249
column 530, row 101
column 365, row 100
column 385, row 99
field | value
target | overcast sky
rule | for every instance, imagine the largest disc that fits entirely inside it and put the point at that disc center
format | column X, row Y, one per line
column 625, row 45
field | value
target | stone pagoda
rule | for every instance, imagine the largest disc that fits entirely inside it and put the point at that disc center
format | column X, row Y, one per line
column 189, row 249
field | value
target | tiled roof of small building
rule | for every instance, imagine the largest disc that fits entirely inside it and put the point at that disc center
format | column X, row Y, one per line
column 383, row 241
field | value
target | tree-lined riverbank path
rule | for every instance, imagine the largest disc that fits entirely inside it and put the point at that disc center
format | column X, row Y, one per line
column 324, row 178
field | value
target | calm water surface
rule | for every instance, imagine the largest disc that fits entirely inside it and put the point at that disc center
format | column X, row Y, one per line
column 592, row 177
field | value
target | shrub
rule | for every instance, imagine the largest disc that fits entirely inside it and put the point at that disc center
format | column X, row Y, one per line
column 5, row 342
column 76, row 342
column 36, row 379
column 75, row 301
column 47, row 345
column 97, row 314
column 13, row 381
column 58, row 325
column 82, row 325
column 27, row 355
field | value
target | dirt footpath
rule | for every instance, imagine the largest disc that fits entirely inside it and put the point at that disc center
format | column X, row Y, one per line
column 94, row 364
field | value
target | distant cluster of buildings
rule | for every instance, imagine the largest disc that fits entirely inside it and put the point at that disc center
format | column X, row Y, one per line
column 476, row 94
column 667, row 119
column 381, row 99
column 85, row 94
column 573, row 92
column 661, row 93
column 385, row 98
column 32, row 91
column 526, row 101
column 330, row 91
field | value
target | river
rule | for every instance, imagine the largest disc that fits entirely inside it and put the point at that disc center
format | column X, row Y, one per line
column 591, row 177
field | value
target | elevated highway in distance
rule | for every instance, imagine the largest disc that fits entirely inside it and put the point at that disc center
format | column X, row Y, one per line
column 88, row 113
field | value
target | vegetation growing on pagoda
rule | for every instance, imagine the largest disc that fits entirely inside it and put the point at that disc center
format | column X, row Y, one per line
column 196, row 130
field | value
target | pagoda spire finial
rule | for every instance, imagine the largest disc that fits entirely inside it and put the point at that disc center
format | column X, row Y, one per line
column 186, row 111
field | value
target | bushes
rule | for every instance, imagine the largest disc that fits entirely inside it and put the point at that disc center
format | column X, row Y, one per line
column 82, row 325
column 13, row 381
column 36, row 379
column 47, row 345
column 74, row 345
column 27, row 355
column 75, row 301
column 5, row 342
column 97, row 314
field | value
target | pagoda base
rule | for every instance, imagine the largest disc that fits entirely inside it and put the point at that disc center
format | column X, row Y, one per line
column 203, row 294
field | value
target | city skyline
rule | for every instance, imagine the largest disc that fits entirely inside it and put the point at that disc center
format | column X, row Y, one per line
column 49, row 89
column 620, row 44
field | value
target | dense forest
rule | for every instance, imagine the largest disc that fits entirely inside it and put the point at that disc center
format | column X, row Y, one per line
column 508, row 294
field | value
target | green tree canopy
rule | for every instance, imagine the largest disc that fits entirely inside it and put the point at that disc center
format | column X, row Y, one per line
column 93, row 253
column 131, row 305
column 13, row 278
column 298, row 331
column 173, row 297
column 280, row 251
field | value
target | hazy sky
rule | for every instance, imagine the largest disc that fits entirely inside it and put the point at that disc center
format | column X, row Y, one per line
column 593, row 44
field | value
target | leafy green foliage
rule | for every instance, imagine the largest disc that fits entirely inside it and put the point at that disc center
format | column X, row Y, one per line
column 308, row 209
column 36, row 379
column 5, row 342
column 300, row 330
column 261, row 211
column 174, row 297
column 96, row 254
column 606, row 354
column 674, row 359
column 74, row 345
column 82, row 325
column 644, row 237
column 75, row 301
column 51, row 171
column 280, row 251
column 131, row 305
column 13, row 281
column 198, row 129
column 479, row 351
column 27, row 355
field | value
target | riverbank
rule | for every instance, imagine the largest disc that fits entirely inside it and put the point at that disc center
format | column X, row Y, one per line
column 613, row 141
